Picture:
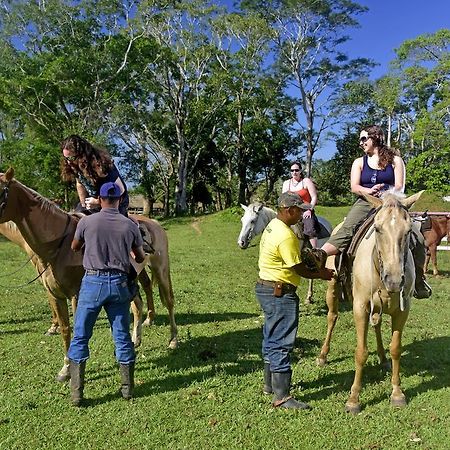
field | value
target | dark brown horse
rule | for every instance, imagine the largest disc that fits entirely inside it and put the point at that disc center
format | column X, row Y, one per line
column 440, row 227
column 48, row 231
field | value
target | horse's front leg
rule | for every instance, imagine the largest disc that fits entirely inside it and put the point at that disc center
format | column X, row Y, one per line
column 361, row 324
column 136, row 308
column 398, row 399
column 433, row 254
column 310, row 294
column 334, row 291
column 62, row 313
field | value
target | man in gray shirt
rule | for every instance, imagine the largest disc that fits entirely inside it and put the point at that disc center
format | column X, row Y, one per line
column 108, row 238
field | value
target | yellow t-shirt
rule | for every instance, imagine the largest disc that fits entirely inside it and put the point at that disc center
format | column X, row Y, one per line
column 279, row 251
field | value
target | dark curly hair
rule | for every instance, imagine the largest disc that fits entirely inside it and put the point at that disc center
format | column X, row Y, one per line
column 385, row 154
column 88, row 158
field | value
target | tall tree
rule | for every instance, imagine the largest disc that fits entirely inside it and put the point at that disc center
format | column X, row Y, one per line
column 307, row 37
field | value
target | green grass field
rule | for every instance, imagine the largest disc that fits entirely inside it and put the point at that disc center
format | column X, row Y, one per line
column 207, row 393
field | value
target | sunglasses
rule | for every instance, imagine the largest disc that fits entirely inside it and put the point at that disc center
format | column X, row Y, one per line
column 295, row 170
column 70, row 158
column 363, row 138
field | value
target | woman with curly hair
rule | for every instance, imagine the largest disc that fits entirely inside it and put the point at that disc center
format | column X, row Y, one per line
column 381, row 168
column 90, row 167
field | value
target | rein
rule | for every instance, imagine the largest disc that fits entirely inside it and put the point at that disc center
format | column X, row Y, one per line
column 39, row 275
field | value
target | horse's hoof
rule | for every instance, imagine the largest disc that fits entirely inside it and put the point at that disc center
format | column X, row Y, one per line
column 62, row 378
column 352, row 408
column 147, row 323
column 398, row 402
column 137, row 343
column 52, row 331
column 173, row 343
column 321, row 362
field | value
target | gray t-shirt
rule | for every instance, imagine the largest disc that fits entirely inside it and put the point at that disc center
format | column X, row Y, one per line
column 108, row 237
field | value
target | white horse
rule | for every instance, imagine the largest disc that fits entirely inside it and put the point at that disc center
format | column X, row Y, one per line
column 255, row 219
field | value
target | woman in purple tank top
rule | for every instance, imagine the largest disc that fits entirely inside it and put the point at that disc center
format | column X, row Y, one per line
column 380, row 168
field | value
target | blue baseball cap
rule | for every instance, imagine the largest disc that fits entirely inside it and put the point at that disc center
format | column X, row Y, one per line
column 110, row 189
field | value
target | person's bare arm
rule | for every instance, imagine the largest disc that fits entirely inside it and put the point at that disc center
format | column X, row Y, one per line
column 139, row 254
column 76, row 245
column 82, row 194
column 322, row 274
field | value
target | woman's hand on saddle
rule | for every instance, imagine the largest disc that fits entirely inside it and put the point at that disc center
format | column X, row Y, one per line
column 92, row 202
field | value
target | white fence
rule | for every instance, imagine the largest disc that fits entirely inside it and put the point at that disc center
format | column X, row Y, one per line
column 444, row 247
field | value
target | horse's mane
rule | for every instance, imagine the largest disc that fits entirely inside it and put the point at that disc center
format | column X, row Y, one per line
column 45, row 204
column 391, row 198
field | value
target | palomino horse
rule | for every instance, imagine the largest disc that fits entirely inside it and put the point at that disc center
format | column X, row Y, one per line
column 440, row 227
column 255, row 219
column 48, row 231
column 383, row 282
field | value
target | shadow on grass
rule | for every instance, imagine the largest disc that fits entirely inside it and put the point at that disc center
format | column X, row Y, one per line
column 199, row 318
column 237, row 353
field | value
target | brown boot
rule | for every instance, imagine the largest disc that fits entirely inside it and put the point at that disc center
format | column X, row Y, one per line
column 76, row 382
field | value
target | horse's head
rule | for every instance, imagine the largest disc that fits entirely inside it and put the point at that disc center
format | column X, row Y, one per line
column 5, row 180
column 252, row 224
column 392, row 226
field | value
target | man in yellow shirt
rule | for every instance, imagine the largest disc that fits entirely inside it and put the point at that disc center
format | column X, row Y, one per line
column 280, row 271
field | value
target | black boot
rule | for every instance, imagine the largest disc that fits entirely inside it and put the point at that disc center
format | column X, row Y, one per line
column 267, row 389
column 127, row 376
column 76, row 382
column 421, row 288
column 281, row 385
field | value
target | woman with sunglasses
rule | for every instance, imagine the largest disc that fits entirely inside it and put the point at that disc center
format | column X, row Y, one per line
column 381, row 168
column 90, row 167
column 306, row 189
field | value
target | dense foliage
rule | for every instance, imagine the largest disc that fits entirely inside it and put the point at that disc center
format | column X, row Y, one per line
column 205, row 106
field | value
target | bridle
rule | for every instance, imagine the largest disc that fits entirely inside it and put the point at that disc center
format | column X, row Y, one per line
column 4, row 198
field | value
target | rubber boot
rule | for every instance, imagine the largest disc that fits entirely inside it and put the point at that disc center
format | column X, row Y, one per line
column 76, row 382
column 267, row 389
column 281, row 385
column 421, row 288
column 127, row 376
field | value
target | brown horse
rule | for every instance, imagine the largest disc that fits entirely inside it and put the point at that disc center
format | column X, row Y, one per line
column 382, row 282
column 440, row 227
column 48, row 231
column 12, row 233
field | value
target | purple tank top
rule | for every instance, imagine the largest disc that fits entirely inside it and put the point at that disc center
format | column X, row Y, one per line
column 370, row 177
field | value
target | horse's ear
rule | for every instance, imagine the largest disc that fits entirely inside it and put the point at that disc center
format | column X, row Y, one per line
column 408, row 202
column 374, row 201
column 9, row 174
column 244, row 207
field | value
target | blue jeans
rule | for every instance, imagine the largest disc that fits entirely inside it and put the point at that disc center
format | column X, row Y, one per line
column 280, row 327
column 110, row 292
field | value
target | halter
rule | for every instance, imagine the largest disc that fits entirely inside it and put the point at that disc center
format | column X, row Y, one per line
column 378, row 263
column 4, row 198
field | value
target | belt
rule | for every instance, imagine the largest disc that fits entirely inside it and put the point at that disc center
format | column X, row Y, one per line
column 286, row 287
column 105, row 272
